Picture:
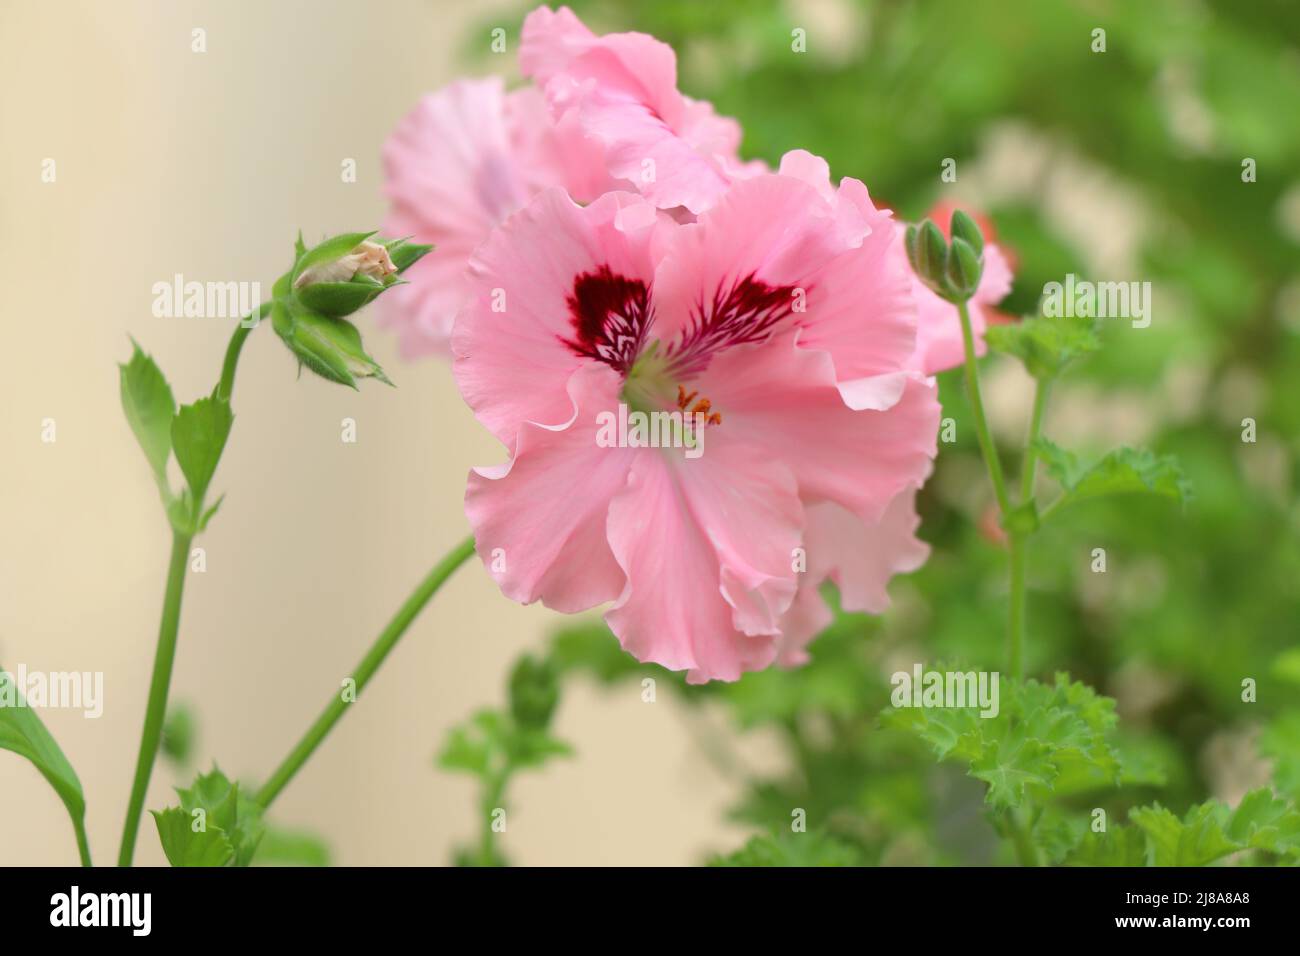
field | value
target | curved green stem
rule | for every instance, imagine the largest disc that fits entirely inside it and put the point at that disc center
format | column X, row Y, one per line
column 156, row 710
column 384, row 644
column 83, row 845
column 227, row 384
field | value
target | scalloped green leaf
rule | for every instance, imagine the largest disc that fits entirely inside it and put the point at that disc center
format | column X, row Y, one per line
column 149, row 407
column 199, row 432
column 1046, row 345
column 813, row 848
column 1120, row 471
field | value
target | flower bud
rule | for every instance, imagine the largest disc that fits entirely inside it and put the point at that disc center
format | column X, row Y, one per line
column 963, row 269
column 534, row 692
column 328, row 282
column 964, row 227
column 951, row 271
column 932, row 252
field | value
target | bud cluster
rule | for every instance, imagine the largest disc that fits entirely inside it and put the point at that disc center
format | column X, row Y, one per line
column 950, row 270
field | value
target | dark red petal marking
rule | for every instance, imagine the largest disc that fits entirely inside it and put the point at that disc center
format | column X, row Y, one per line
column 610, row 315
column 746, row 312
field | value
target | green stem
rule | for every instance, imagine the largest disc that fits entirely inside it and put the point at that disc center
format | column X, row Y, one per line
column 1018, row 540
column 977, row 409
column 1021, row 838
column 156, row 710
column 1030, row 467
column 384, row 644
column 1016, row 615
column 83, row 845
column 227, row 384
column 493, row 797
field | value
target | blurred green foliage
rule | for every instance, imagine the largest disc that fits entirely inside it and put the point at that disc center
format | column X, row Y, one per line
column 1194, row 601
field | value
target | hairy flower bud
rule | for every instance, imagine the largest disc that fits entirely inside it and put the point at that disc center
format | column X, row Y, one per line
column 327, row 283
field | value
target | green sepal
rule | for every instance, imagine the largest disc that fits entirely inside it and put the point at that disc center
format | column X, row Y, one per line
column 405, row 253
column 330, row 347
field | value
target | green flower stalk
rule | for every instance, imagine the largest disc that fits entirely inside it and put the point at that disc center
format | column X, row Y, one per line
column 327, row 283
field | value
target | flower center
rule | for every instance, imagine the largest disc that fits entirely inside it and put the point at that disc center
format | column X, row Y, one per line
column 649, row 387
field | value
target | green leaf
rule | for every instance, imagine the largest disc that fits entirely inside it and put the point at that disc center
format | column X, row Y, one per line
column 22, row 732
column 148, row 404
column 281, row 847
column 1196, row 840
column 184, row 846
column 1116, row 846
column 216, row 821
column 1045, row 345
column 814, row 848
column 1121, row 471
column 528, row 748
column 1263, row 821
column 491, row 744
column 199, row 434
column 1280, row 741
column 470, row 747
column 1045, row 738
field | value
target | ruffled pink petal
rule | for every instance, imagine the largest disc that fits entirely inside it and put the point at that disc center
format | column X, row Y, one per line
column 808, row 616
column 451, row 175
column 827, row 263
column 860, row 557
column 784, row 399
column 707, row 545
column 539, row 519
column 621, row 90
column 511, row 360
column 554, row 153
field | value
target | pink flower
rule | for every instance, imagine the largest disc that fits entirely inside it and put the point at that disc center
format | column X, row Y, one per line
column 938, row 327
column 621, row 91
column 783, row 325
column 457, row 165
